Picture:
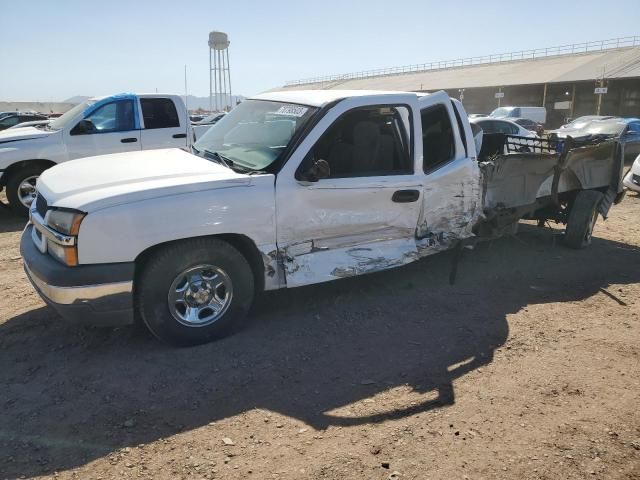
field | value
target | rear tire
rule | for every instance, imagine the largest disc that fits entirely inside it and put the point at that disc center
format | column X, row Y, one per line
column 194, row 291
column 582, row 219
column 21, row 188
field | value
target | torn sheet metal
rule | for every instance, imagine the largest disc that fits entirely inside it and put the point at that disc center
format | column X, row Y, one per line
column 348, row 261
column 519, row 179
column 274, row 277
column 451, row 208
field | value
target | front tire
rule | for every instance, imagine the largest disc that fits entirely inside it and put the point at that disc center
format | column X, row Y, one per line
column 582, row 219
column 194, row 291
column 21, row 188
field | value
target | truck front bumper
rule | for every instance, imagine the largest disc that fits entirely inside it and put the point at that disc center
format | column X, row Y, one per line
column 98, row 294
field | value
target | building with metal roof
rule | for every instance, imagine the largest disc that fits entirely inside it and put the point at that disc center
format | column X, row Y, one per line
column 563, row 79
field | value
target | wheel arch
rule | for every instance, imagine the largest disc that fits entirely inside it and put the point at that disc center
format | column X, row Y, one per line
column 14, row 167
column 245, row 245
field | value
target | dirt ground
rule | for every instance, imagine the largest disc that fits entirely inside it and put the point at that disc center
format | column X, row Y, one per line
column 526, row 368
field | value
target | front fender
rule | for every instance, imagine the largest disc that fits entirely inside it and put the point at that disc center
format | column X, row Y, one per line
column 45, row 148
column 120, row 233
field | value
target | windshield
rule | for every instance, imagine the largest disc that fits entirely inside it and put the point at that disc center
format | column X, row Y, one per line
column 255, row 133
column 603, row 128
column 501, row 112
column 62, row 121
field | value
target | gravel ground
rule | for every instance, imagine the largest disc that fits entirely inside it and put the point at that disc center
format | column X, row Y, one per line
column 526, row 368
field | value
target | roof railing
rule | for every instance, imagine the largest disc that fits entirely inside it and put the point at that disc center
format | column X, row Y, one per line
column 574, row 48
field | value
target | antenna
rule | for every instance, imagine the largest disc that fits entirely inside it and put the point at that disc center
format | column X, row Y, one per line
column 186, row 104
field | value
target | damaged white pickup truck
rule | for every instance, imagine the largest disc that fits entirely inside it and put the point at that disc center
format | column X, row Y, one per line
column 290, row 189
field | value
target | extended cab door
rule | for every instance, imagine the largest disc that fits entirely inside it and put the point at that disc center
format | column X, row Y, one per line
column 451, row 179
column 164, row 123
column 109, row 127
column 358, row 215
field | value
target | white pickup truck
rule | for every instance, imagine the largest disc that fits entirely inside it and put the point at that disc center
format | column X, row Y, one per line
column 118, row 123
column 290, row 189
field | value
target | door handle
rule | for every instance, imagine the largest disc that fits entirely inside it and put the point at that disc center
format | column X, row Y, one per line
column 405, row 196
column 180, row 135
column 129, row 140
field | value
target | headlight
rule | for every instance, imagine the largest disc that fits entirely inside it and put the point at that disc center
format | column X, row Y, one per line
column 66, row 255
column 65, row 221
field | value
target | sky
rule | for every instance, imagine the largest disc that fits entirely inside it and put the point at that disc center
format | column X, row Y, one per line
column 52, row 50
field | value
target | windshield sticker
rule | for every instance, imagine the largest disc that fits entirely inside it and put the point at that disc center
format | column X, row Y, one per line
column 291, row 110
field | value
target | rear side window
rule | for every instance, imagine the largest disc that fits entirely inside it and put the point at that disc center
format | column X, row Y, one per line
column 437, row 137
column 10, row 121
column 159, row 113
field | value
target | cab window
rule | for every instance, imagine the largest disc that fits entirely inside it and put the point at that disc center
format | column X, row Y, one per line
column 159, row 113
column 108, row 118
column 365, row 142
column 438, row 141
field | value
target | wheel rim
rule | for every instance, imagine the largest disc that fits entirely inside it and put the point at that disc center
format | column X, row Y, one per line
column 200, row 295
column 27, row 190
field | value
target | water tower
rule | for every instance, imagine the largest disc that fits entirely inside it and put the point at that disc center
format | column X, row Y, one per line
column 219, row 73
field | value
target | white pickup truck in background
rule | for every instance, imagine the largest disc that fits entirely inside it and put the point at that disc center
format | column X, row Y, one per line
column 290, row 189
column 117, row 123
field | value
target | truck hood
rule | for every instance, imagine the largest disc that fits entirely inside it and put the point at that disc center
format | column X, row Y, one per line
column 24, row 133
column 94, row 183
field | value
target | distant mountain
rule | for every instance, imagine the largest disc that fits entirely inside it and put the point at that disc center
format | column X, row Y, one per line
column 193, row 102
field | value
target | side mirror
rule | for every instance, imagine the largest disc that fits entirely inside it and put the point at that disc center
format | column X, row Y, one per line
column 83, row 127
column 319, row 170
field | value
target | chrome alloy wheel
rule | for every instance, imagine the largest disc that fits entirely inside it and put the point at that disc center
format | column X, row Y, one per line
column 200, row 295
column 27, row 190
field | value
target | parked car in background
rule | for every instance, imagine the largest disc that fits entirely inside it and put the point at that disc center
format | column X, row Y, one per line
column 478, row 115
column 497, row 125
column 528, row 124
column 118, row 123
column 200, row 128
column 195, row 118
column 210, row 119
column 580, row 122
column 625, row 130
column 537, row 114
column 18, row 117
column 33, row 123
column 632, row 179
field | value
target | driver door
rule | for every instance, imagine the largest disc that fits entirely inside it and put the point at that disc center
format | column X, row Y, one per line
column 361, row 217
column 110, row 128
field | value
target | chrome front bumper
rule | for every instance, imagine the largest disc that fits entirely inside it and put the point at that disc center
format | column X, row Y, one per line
column 97, row 294
column 78, row 295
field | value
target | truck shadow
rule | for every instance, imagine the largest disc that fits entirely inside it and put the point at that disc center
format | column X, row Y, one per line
column 73, row 394
column 9, row 221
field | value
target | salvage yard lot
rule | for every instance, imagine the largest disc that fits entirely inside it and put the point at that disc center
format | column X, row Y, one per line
column 528, row 367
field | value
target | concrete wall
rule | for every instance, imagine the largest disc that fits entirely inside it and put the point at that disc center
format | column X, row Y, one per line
column 622, row 99
column 42, row 107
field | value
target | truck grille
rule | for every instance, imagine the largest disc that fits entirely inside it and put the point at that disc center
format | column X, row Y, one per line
column 41, row 205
